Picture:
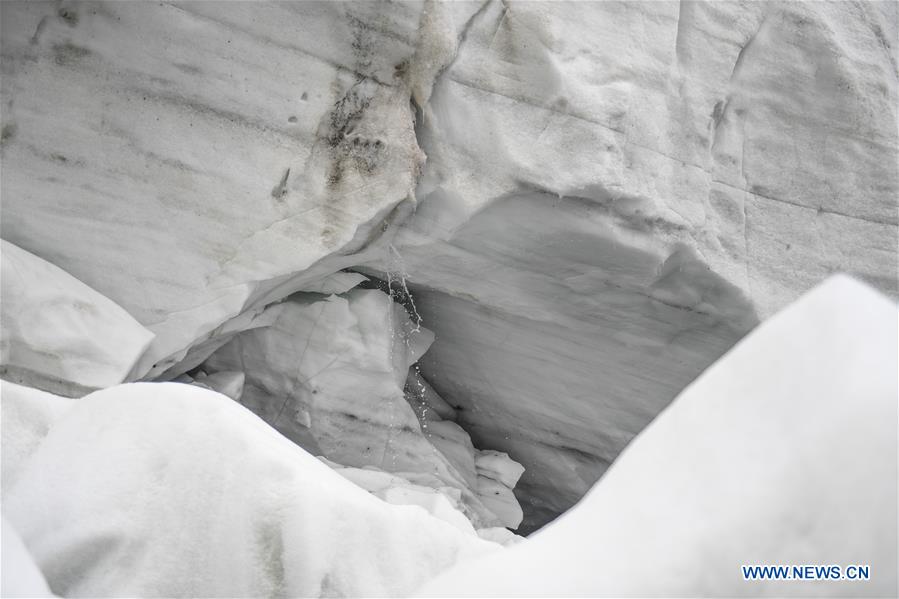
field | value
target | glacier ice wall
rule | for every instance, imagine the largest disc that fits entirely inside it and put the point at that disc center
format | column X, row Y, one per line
column 615, row 192
column 188, row 160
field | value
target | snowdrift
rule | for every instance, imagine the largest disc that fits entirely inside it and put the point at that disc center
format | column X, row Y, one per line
column 171, row 490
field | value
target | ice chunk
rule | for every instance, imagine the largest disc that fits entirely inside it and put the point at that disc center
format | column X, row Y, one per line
column 226, row 382
column 442, row 502
column 498, row 466
column 331, row 374
column 500, row 535
column 59, row 334
column 497, row 476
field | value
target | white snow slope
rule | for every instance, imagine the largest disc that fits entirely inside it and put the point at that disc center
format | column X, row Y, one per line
column 783, row 452
column 171, row 490
column 21, row 576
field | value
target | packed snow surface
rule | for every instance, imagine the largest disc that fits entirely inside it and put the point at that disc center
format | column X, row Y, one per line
column 21, row 576
column 783, row 452
column 166, row 489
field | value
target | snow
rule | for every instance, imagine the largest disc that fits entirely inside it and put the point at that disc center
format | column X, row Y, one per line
column 783, row 452
column 27, row 415
column 165, row 489
column 21, row 576
column 442, row 502
column 58, row 333
column 202, row 152
column 614, row 192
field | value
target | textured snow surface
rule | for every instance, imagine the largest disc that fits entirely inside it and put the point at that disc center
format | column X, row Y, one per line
column 166, row 489
column 58, row 333
column 21, row 576
column 783, row 452
column 27, row 415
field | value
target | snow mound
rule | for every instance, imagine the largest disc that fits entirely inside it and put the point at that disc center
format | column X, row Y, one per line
column 27, row 415
column 165, row 489
column 783, row 452
column 21, row 577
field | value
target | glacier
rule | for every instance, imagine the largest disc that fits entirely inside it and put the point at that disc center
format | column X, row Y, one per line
column 459, row 254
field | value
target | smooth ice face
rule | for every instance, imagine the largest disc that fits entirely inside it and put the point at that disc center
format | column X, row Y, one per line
column 562, row 328
column 165, row 489
column 783, row 452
